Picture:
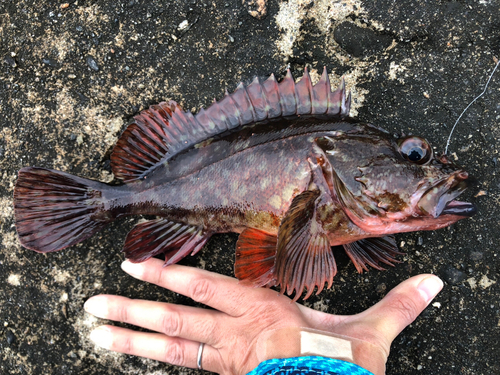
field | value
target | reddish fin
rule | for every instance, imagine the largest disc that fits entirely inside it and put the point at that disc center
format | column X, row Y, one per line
column 255, row 255
column 54, row 209
column 304, row 257
column 163, row 130
column 162, row 236
column 372, row 252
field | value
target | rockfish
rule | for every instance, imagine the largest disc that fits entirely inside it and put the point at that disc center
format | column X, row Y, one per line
column 281, row 164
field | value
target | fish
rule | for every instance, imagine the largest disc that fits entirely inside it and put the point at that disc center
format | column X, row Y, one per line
column 282, row 164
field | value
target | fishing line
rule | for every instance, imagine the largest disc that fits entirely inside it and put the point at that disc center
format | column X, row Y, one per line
column 471, row 103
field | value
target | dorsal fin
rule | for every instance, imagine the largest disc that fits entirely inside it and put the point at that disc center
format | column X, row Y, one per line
column 163, row 130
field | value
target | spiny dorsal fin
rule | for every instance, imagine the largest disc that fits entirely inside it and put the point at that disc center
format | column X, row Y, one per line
column 164, row 130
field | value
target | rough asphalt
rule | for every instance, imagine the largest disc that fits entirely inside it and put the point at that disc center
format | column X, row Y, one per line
column 73, row 74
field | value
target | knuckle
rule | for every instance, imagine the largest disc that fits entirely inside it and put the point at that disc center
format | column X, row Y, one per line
column 122, row 312
column 201, row 290
column 171, row 323
column 404, row 307
column 126, row 346
column 174, row 353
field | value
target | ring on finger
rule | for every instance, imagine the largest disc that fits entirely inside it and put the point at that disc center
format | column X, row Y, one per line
column 200, row 354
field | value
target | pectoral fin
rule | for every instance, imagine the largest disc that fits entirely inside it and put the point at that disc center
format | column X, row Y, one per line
column 372, row 252
column 255, row 257
column 304, row 257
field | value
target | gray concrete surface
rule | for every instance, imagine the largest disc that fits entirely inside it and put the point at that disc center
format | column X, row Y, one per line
column 72, row 75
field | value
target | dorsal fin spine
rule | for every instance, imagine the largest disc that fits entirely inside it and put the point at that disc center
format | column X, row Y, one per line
column 250, row 105
column 270, row 88
column 286, row 91
column 226, row 104
column 258, row 99
column 165, row 129
column 303, row 91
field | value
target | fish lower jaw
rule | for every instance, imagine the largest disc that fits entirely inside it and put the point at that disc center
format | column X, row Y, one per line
column 459, row 208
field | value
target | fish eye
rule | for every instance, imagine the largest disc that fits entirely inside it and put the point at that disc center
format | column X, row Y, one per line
column 415, row 149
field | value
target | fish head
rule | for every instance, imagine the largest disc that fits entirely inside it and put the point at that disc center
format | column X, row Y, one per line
column 387, row 184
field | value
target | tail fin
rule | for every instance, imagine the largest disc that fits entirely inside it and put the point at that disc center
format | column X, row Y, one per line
column 54, row 209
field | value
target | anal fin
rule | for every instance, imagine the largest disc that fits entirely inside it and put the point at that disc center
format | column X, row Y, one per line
column 304, row 257
column 154, row 237
column 255, row 256
column 372, row 252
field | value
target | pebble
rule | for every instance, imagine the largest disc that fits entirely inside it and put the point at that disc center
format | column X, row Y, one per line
column 453, row 276
column 10, row 337
column 359, row 41
column 92, row 64
column 50, row 62
column 10, row 61
column 183, row 25
column 476, row 255
column 381, row 288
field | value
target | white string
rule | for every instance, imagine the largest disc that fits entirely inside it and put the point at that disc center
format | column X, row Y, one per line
column 471, row 103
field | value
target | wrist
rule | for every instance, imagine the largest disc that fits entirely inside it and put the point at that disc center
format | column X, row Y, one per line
column 298, row 341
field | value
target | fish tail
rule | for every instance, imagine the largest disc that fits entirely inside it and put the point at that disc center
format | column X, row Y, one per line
column 54, row 209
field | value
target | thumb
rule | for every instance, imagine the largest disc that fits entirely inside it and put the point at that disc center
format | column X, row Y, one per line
column 402, row 305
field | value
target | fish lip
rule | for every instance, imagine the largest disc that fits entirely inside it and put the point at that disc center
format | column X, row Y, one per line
column 459, row 208
column 439, row 200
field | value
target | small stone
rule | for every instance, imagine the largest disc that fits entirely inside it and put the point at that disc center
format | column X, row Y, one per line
column 381, row 288
column 50, row 62
column 64, row 6
column 10, row 61
column 256, row 8
column 360, row 41
column 420, row 241
column 183, row 25
column 10, row 337
column 476, row 255
column 481, row 193
column 453, row 276
column 71, row 76
column 92, row 63
column 231, row 39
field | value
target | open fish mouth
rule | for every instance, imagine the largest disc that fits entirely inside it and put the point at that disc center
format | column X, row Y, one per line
column 440, row 199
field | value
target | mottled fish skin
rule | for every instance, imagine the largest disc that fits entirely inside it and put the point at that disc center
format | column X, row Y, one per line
column 281, row 164
column 251, row 185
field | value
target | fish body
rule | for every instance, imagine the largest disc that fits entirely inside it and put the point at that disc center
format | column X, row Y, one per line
column 281, row 164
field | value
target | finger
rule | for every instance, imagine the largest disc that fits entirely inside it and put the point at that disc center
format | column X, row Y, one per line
column 403, row 304
column 187, row 322
column 176, row 351
column 218, row 291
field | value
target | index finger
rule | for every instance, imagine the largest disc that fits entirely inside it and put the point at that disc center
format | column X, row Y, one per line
column 220, row 292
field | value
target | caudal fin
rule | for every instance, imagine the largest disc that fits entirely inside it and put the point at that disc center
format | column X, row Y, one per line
column 54, row 209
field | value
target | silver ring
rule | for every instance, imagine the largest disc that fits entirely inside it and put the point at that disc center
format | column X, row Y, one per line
column 200, row 354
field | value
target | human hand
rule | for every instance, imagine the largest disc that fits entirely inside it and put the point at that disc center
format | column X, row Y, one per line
column 244, row 317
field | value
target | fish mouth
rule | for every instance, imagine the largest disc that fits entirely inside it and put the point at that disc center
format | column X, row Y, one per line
column 440, row 200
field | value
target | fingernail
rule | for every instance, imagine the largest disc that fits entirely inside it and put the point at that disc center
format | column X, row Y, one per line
column 430, row 287
column 97, row 306
column 102, row 337
column 133, row 269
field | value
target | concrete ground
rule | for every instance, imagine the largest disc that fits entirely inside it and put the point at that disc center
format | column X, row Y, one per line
column 73, row 74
